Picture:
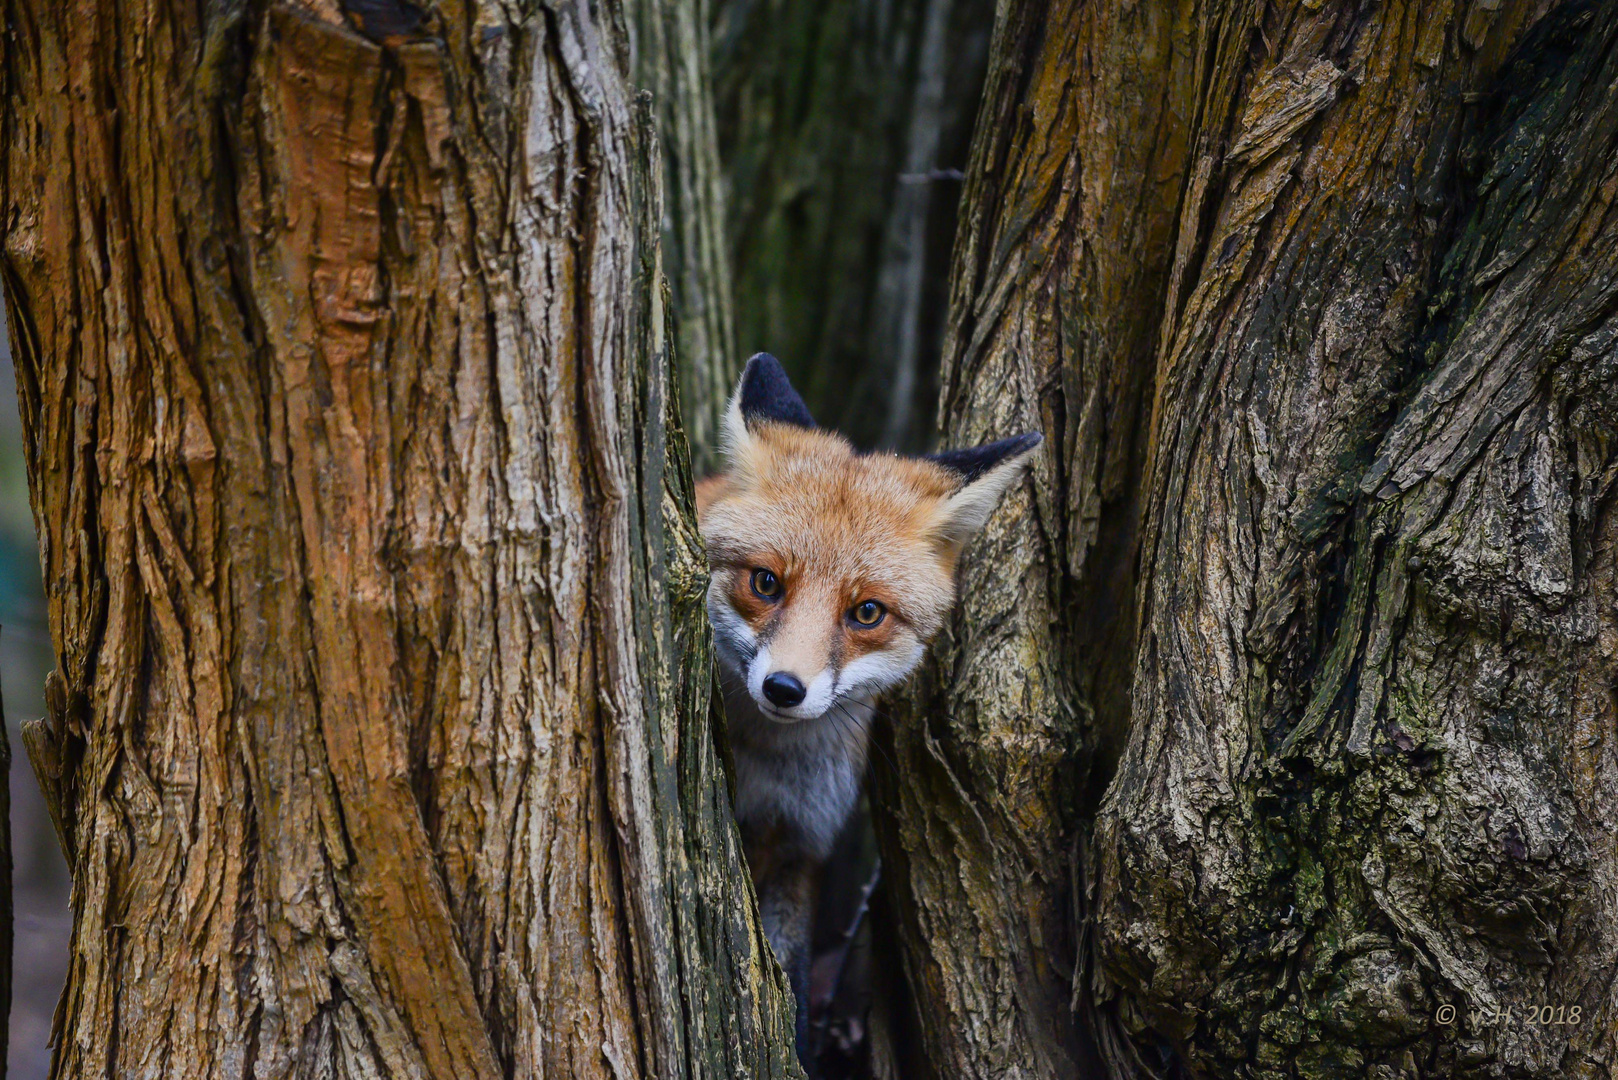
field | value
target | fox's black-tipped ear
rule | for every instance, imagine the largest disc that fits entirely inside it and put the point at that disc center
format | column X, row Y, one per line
column 766, row 394
column 974, row 461
column 986, row 472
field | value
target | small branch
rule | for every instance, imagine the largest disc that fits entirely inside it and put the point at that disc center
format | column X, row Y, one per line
column 931, row 175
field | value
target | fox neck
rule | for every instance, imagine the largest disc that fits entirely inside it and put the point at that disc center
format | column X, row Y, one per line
column 800, row 781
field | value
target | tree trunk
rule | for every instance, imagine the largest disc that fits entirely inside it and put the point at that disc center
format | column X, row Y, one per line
column 1316, row 304
column 672, row 60
column 842, row 128
column 380, row 733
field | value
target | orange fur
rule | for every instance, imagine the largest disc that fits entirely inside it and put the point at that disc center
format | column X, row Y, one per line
column 838, row 528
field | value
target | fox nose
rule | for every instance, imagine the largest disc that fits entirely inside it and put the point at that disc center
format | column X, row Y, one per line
column 783, row 690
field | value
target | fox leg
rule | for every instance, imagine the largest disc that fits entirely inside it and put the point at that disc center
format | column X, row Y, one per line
column 786, row 898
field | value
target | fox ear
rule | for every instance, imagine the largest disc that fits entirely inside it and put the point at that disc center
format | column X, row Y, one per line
column 988, row 471
column 764, row 395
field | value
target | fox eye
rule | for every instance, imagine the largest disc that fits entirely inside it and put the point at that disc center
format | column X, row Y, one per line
column 868, row 613
column 766, row 585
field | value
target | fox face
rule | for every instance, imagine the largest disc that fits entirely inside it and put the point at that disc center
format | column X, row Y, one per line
column 832, row 569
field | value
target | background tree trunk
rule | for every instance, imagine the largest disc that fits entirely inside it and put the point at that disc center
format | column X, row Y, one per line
column 380, row 734
column 1316, row 580
column 6, row 907
column 842, row 128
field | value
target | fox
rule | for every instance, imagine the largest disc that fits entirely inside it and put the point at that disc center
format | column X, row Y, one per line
column 830, row 573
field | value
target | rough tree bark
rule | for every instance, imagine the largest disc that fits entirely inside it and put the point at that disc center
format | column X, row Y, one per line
column 380, row 734
column 842, row 128
column 1318, row 304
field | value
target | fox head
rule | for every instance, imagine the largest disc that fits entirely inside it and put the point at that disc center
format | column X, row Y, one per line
column 833, row 569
